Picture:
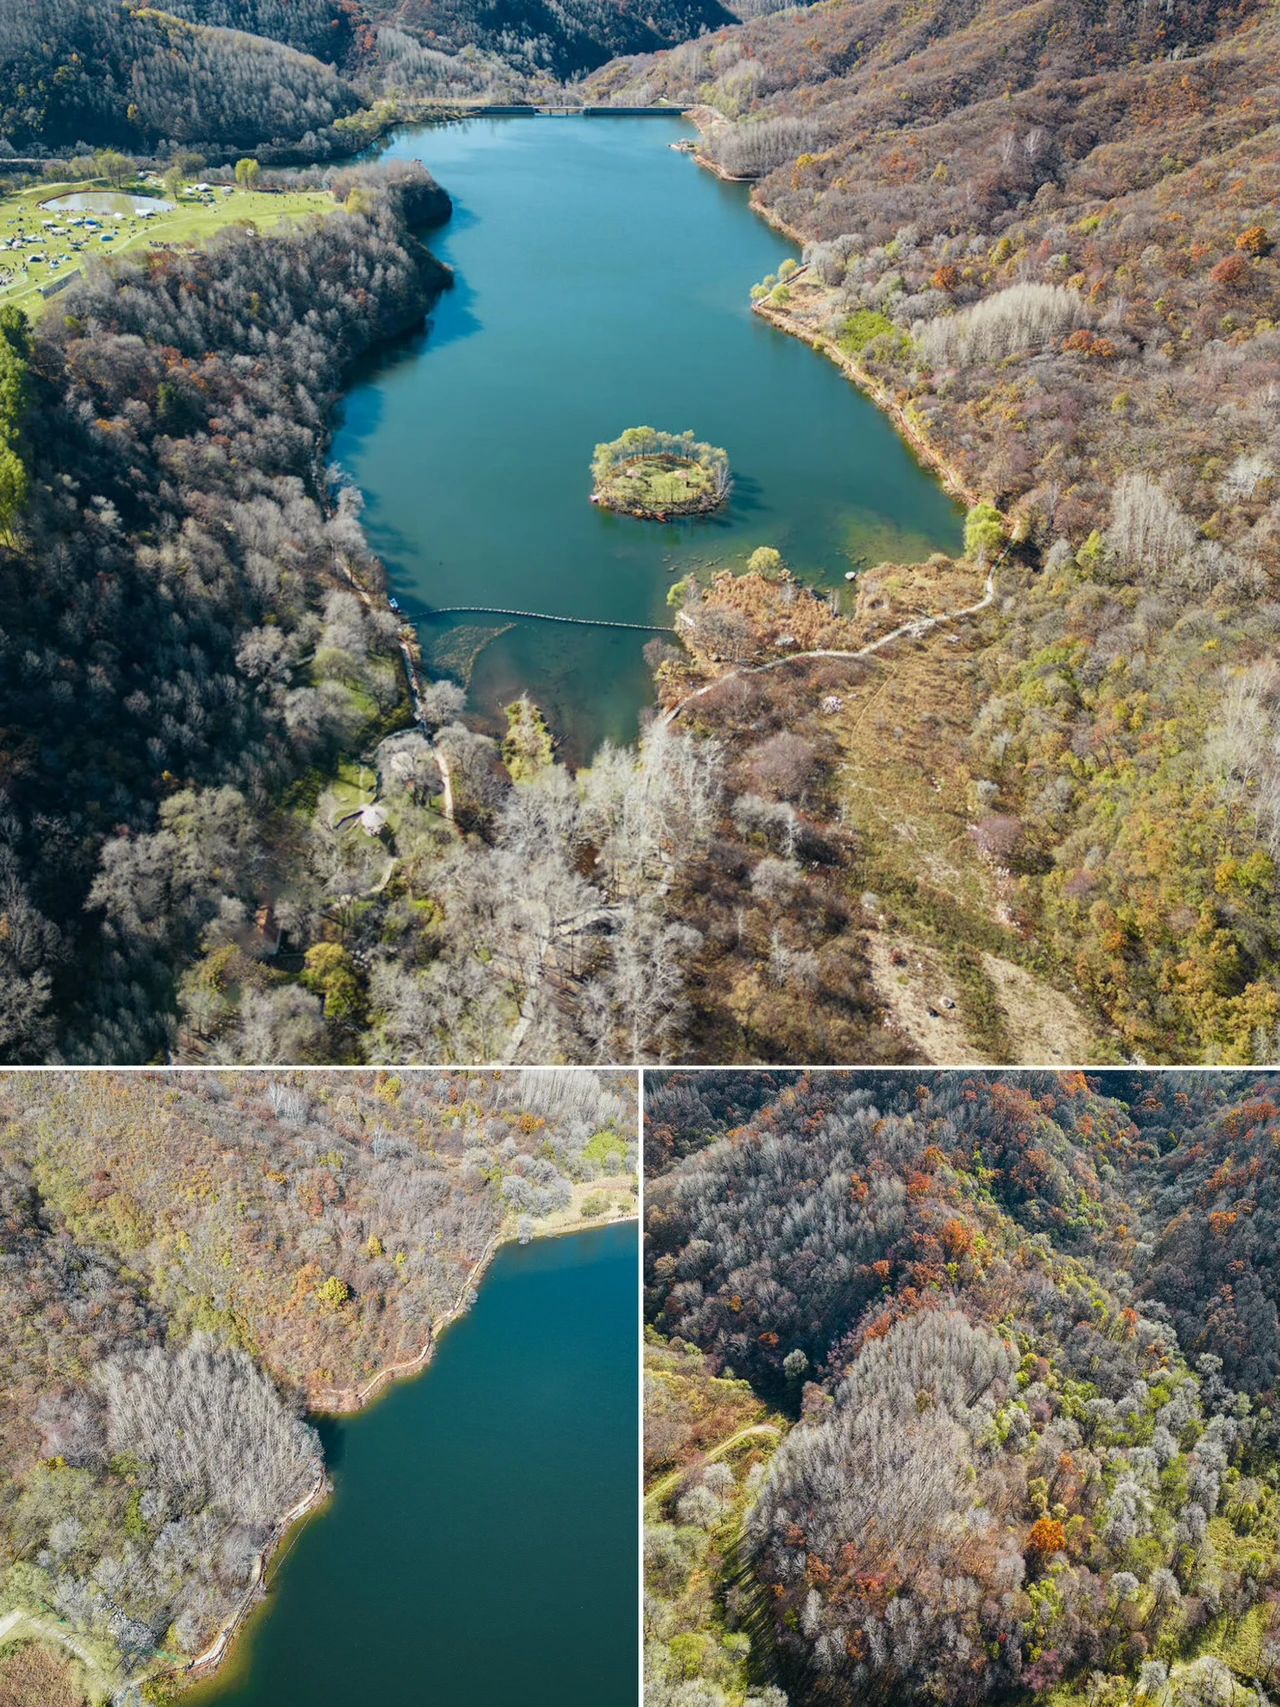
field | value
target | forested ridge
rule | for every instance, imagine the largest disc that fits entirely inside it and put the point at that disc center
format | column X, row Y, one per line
column 181, row 637
column 299, row 83
column 1018, row 1336
column 87, row 73
column 283, row 83
column 1047, row 234
column 186, row 1263
column 561, row 39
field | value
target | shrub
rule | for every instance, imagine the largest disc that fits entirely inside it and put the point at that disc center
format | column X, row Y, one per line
column 1255, row 240
column 861, row 328
column 1230, row 271
column 333, row 1293
column 1086, row 343
column 1047, row 1537
column 767, row 562
column 984, row 532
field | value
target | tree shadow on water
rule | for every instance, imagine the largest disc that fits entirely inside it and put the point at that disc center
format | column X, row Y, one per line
column 746, row 499
column 452, row 316
column 333, row 1439
column 463, row 218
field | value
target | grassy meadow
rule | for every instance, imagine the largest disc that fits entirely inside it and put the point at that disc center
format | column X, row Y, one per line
column 53, row 248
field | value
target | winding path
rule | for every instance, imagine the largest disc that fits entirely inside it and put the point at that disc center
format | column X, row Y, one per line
column 660, row 1490
column 48, row 1633
column 915, row 628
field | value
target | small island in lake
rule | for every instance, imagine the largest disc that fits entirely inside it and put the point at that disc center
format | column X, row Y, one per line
column 656, row 475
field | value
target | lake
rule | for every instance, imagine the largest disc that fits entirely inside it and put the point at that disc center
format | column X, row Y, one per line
column 480, row 1549
column 603, row 282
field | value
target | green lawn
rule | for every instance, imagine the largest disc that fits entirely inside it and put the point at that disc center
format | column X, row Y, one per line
column 355, row 787
column 63, row 250
column 657, row 483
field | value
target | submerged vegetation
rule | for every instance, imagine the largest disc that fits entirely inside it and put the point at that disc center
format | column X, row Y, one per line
column 656, row 475
column 931, row 1413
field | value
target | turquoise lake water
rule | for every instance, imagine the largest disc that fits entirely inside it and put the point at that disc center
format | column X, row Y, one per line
column 602, row 282
column 480, row 1549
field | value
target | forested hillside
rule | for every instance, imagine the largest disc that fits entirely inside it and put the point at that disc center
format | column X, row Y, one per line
column 185, row 631
column 186, row 1262
column 1046, row 236
column 1010, row 1456
column 89, row 73
column 299, row 83
column 562, row 38
column 336, row 31
column 279, row 82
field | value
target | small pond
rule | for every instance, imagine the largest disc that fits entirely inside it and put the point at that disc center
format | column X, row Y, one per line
column 107, row 201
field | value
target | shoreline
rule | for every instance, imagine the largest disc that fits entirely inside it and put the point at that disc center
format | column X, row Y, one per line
column 705, row 119
column 204, row 1667
column 928, row 452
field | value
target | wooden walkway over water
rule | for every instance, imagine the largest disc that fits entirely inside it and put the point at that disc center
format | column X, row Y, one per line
column 531, row 109
column 545, row 616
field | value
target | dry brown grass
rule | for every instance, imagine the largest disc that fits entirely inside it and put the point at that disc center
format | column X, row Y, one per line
column 784, row 616
column 951, row 941
column 32, row 1677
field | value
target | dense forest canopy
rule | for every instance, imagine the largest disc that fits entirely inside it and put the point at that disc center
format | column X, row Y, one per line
column 177, row 561
column 335, row 31
column 300, row 82
column 89, row 73
column 1025, row 1329
column 1047, row 234
column 562, row 39
column 188, row 1261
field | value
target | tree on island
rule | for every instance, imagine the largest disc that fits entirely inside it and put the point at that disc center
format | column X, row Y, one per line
column 657, row 475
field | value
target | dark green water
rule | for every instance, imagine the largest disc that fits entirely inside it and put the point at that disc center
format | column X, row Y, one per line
column 480, row 1549
column 603, row 282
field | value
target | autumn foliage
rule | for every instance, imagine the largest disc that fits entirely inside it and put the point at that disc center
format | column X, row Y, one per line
column 1046, row 1537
